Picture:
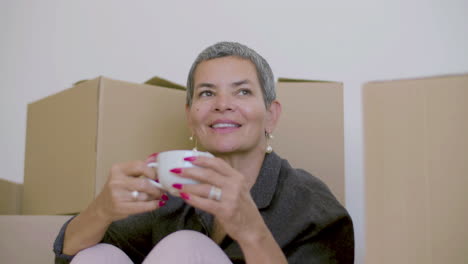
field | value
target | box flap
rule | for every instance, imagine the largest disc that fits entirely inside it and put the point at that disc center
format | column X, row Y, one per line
column 416, row 79
column 158, row 81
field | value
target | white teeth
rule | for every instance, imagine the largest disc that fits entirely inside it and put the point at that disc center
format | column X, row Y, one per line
column 222, row 125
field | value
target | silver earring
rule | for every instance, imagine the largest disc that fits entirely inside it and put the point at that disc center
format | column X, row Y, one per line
column 191, row 138
column 269, row 148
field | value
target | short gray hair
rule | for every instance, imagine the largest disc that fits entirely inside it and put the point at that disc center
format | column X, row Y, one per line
column 225, row 49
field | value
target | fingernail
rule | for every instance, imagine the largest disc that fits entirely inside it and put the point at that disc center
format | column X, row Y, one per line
column 176, row 170
column 165, row 197
column 152, row 158
column 162, row 203
column 193, row 158
column 177, row 186
column 185, row 196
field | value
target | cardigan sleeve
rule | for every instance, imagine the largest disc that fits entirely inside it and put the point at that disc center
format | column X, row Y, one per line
column 61, row 258
column 333, row 244
column 320, row 229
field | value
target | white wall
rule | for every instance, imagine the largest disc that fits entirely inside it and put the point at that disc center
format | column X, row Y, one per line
column 47, row 45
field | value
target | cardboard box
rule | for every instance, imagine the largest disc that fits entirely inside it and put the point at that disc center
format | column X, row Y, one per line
column 74, row 137
column 10, row 197
column 29, row 238
column 310, row 132
column 416, row 170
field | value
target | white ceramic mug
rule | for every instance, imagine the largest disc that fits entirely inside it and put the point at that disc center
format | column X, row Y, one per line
column 169, row 160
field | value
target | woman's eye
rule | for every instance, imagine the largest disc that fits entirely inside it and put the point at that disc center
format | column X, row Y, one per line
column 205, row 93
column 245, row 92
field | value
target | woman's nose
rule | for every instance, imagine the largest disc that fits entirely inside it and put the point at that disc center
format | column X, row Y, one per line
column 223, row 103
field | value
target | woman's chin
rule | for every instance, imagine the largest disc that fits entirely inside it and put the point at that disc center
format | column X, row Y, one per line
column 222, row 149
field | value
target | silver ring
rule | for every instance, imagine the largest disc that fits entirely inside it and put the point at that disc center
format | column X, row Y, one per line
column 135, row 195
column 215, row 193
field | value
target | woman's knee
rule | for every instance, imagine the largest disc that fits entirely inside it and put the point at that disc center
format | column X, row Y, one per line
column 101, row 253
column 186, row 238
column 187, row 246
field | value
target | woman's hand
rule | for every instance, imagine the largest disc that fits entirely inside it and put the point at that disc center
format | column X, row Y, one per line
column 116, row 201
column 235, row 211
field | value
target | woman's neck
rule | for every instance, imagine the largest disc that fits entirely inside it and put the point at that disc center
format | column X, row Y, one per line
column 249, row 164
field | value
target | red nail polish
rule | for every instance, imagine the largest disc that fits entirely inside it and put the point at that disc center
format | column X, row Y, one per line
column 152, row 158
column 176, row 170
column 162, row 203
column 177, row 186
column 165, row 197
column 185, row 196
column 193, row 158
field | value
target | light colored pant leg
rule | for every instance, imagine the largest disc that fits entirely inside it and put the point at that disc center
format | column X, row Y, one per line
column 102, row 253
column 188, row 247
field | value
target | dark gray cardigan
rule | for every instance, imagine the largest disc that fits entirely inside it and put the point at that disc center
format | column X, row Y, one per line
column 304, row 217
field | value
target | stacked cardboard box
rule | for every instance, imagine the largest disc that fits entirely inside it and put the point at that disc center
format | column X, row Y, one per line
column 75, row 136
column 416, row 170
column 415, row 154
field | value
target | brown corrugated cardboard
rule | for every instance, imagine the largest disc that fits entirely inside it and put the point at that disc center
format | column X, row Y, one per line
column 416, row 170
column 310, row 132
column 75, row 136
column 29, row 238
column 10, row 197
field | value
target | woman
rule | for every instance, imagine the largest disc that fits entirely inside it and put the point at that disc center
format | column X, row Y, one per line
column 266, row 211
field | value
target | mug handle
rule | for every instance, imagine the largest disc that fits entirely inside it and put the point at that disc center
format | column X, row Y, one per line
column 155, row 183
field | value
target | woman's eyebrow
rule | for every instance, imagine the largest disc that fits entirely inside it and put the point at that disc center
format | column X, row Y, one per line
column 205, row 85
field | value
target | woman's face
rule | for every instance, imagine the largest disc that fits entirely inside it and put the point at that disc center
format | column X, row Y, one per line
column 228, row 114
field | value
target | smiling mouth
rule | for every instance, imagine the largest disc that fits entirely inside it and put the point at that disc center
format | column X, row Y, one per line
column 225, row 125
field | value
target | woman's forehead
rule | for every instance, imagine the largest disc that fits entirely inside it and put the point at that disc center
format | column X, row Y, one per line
column 234, row 84
column 227, row 70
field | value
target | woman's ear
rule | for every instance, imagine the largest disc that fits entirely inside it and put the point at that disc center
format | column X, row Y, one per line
column 273, row 115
